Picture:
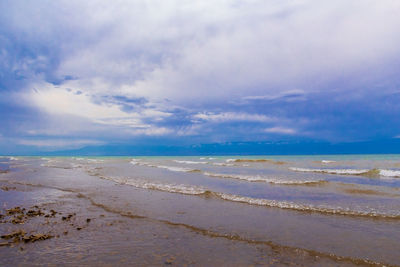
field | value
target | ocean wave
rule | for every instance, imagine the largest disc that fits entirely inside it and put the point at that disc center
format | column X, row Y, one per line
column 190, row 162
column 171, row 188
column 58, row 166
column 258, row 178
column 53, row 163
column 201, row 191
column 136, row 162
column 390, row 173
column 304, row 207
column 327, row 161
column 223, row 164
column 331, row 171
column 176, row 169
column 170, row 168
column 364, row 172
column 257, row 161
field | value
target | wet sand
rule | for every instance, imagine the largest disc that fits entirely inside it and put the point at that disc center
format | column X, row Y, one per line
column 67, row 228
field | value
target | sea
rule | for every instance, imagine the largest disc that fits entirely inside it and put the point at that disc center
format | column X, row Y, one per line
column 342, row 207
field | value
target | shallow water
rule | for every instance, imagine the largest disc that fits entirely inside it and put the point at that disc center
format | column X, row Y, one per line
column 336, row 206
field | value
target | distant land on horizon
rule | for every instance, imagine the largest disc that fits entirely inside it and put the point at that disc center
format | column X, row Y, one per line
column 230, row 148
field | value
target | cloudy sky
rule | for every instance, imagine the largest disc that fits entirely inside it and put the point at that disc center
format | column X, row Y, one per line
column 88, row 73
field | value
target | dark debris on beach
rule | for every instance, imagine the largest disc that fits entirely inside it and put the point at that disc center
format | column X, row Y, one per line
column 20, row 216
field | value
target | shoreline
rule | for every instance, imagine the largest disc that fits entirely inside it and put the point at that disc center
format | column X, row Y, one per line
column 68, row 218
column 64, row 212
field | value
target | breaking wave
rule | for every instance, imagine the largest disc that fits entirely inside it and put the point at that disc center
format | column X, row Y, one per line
column 330, row 171
column 190, row 162
column 176, row 169
column 389, row 173
column 170, row 168
column 303, row 207
column 327, row 161
column 223, row 164
column 258, row 178
column 257, row 161
column 201, row 191
column 171, row 188
column 364, row 172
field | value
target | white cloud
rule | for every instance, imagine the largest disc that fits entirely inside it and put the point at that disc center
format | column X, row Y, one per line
column 232, row 116
column 152, row 131
column 60, row 101
column 189, row 52
column 280, row 130
column 58, row 143
column 296, row 93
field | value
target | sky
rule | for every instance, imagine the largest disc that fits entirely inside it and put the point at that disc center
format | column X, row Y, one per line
column 77, row 74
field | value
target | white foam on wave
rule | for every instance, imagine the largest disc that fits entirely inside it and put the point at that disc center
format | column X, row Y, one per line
column 95, row 160
column 13, row 158
column 304, row 207
column 380, row 172
column 171, row 188
column 170, row 168
column 196, row 190
column 230, row 160
column 389, row 173
column 190, row 162
column 258, row 178
column 135, row 161
column 223, row 164
column 331, row 171
column 176, row 169
column 327, row 161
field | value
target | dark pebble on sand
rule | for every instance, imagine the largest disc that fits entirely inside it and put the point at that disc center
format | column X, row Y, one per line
column 169, row 261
